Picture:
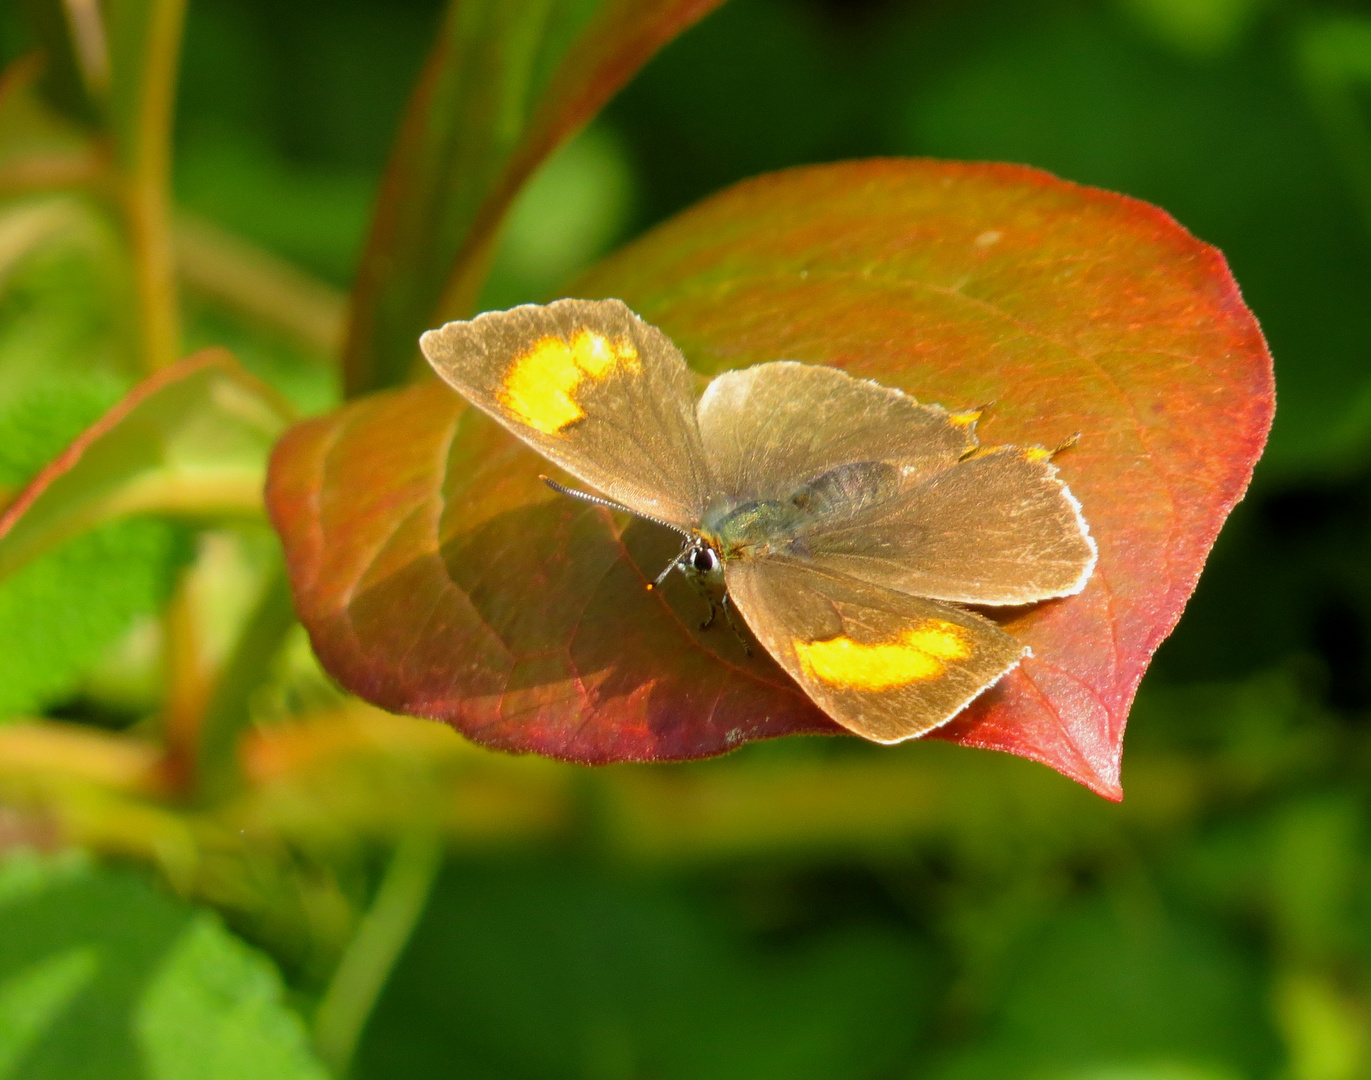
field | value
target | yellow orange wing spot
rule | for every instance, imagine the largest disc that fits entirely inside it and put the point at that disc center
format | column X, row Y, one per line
column 540, row 386
column 965, row 419
column 1037, row 453
column 917, row 654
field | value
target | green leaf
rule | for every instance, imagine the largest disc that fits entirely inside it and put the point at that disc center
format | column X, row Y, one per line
column 508, row 82
column 43, row 416
column 214, row 1012
column 31, row 999
column 60, row 612
column 101, row 976
column 1324, row 1027
column 189, row 441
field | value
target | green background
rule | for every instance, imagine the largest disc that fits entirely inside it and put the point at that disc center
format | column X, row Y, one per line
column 1215, row 927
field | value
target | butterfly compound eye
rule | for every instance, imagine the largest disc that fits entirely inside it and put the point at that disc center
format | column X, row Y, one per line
column 704, row 560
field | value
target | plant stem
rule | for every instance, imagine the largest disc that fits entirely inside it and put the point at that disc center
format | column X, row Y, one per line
column 187, row 683
column 227, row 710
column 375, row 947
column 146, row 160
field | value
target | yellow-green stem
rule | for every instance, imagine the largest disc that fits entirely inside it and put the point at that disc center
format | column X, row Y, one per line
column 187, row 685
column 147, row 187
column 376, row 945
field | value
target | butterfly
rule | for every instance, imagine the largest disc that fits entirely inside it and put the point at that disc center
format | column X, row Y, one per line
column 849, row 525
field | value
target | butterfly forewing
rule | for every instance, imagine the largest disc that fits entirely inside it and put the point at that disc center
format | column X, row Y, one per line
column 885, row 665
column 593, row 389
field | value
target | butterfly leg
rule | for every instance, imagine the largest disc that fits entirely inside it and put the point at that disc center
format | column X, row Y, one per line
column 733, row 625
column 702, row 587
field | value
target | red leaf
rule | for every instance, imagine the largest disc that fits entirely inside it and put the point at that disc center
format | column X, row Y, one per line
column 438, row 577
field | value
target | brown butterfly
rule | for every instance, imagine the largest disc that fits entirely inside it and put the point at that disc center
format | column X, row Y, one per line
column 849, row 522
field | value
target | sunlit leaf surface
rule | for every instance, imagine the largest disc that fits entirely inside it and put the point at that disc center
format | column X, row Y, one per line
column 437, row 576
column 506, row 83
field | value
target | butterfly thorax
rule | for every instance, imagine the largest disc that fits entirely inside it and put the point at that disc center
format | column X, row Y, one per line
column 759, row 527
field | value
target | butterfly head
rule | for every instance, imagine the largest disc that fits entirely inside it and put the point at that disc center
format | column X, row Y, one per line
column 698, row 559
column 702, row 559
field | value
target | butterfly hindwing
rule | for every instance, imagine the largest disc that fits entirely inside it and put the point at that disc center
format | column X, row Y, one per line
column 1000, row 528
column 885, row 665
column 593, row 389
column 863, row 481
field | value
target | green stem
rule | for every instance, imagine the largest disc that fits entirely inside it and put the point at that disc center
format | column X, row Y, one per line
column 228, row 710
column 147, row 40
column 375, row 947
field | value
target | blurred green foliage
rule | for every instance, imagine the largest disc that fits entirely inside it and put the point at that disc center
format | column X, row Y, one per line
column 547, row 970
column 61, row 367
column 104, row 977
column 63, row 610
column 963, row 917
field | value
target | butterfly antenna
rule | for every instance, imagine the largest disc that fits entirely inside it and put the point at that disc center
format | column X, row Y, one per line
column 670, row 567
column 608, row 504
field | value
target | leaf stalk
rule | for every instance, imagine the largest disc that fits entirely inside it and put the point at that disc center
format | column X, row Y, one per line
column 146, row 164
column 371, row 955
